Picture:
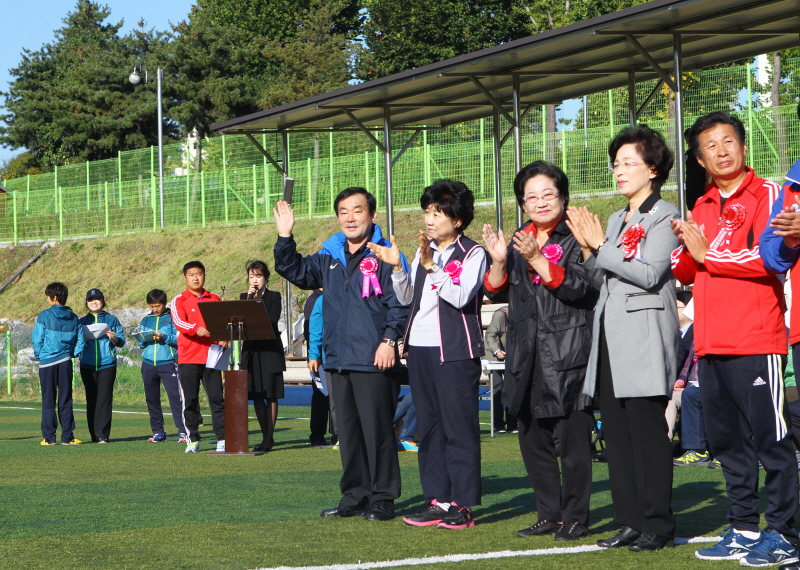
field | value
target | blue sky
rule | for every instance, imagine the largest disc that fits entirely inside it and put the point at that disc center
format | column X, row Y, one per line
column 30, row 24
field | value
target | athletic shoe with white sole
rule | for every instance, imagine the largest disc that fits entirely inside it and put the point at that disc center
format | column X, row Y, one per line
column 160, row 436
column 693, row 458
column 773, row 549
column 193, row 447
column 220, row 446
column 733, row 546
column 182, row 438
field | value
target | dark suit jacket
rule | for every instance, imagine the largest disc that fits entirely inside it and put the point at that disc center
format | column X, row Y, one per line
column 271, row 349
column 684, row 346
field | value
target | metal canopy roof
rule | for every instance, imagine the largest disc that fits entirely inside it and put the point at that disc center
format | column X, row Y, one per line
column 561, row 64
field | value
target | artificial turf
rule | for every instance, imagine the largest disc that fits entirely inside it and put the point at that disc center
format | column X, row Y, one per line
column 133, row 504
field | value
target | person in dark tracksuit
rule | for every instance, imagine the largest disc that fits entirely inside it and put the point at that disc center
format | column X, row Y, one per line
column 57, row 339
column 444, row 341
column 362, row 321
column 99, row 366
column 159, row 366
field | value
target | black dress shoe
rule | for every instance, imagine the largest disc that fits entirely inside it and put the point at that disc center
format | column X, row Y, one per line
column 542, row 527
column 624, row 537
column 380, row 511
column 648, row 542
column 341, row 511
column 572, row 531
column 263, row 446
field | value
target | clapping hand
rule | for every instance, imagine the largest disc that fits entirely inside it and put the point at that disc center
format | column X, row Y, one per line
column 692, row 237
column 586, row 227
column 495, row 244
column 425, row 252
column 787, row 223
column 390, row 255
column 527, row 246
column 284, row 218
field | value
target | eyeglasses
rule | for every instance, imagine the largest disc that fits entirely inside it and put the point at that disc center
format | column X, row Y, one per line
column 623, row 166
column 547, row 197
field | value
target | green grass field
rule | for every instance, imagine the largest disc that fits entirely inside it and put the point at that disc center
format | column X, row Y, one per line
column 132, row 504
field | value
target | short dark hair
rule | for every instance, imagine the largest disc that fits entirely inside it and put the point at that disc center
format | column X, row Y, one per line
column 710, row 121
column 156, row 296
column 548, row 169
column 684, row 296
column 57, row 290
column 372, row 204
column 192, row 265
column 651, row 146
column 452, row 198
column 258, row 267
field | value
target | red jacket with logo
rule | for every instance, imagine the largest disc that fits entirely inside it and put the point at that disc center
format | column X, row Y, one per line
column 738, row 305
column 192, row 349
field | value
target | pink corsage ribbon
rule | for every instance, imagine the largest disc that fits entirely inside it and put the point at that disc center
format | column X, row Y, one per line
column 551, row 253
column 731, row 219
column 630, row 241
column 369, row 267
column 454, row 269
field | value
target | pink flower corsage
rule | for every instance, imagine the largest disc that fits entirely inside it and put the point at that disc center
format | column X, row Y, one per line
column 454, row 269
column 369, row 267
column 551, row 253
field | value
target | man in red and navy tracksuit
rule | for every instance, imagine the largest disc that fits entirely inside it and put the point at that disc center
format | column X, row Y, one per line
column 740, row 339
column 194, row 341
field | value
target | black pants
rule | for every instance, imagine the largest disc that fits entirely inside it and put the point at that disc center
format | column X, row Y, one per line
column 56, row 384
column 190, row 376
column 153, row 377
column 365, row 403
column 320, row 415
column 99, row 385
column 639, row 455
column 561, row 495
column 446, row 398
column 502, row 419
column 742, row 400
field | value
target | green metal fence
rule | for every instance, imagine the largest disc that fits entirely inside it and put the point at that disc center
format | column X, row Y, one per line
column 232, row 183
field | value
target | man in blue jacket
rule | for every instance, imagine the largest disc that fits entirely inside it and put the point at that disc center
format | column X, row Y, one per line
column 362, row 321
column 57, row 339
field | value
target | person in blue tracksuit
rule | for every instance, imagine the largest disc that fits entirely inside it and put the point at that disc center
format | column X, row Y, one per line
column 57, row 339
column 159, row 365
column 362, row 321
column 99, row 365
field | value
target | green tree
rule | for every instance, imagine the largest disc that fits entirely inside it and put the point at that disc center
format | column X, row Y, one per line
column 70, row 101
column 17, row 166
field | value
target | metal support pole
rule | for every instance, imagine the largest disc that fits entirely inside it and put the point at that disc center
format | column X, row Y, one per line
column 105, row 207
column 498, row 175
column 632, row 98
column 287, row 317
column 8, row 360
column 159, row 77
column 224, row 180
column 387, row 168
column 679, row 142
column 14, row 204
column 517, row 139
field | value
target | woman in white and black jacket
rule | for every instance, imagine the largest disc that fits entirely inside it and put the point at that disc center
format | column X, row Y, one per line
column 550, row 301
column 444, row 341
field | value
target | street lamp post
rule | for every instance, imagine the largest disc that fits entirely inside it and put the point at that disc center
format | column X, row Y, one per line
column 135, row 78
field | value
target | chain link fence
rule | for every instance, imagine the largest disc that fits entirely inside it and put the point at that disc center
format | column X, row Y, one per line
column 225, row 180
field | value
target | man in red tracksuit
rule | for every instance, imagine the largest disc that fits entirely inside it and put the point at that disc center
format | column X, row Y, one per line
column 194, row 341
column 740, row 338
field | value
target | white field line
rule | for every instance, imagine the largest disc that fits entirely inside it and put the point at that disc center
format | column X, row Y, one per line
column 450, row 558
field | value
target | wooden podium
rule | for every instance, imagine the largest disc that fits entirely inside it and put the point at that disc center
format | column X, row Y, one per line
column 229, row 321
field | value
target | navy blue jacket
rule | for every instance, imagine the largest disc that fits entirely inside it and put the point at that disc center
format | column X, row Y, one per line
column 354, row 326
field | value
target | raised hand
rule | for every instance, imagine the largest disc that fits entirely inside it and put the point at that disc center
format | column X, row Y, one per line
column 284, row 218
column 495, row 244
column 694, row 239
column 425, row 253
column 390, row 255
column 586, row 227
column 787, row 223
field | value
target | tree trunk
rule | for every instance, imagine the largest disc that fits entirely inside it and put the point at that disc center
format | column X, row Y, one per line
column 780, row 124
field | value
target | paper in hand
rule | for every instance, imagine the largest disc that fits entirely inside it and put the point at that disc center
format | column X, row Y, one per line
column 94, row 331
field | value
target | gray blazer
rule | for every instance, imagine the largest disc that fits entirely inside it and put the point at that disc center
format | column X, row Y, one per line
column 636, row 305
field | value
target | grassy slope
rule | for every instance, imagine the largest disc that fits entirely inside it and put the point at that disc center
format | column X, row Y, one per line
column 127, row 267
column 136, row 505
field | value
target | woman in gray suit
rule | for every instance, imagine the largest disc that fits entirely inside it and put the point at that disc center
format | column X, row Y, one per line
column 632, row 362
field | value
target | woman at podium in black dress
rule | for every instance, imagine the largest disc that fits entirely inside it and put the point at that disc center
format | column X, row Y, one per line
column 264, row 359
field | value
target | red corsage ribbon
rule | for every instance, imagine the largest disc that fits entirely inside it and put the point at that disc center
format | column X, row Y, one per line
column 551, row 253
column 732, row 218
column 630, row 241
column 454, row 269
column 369, row 267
